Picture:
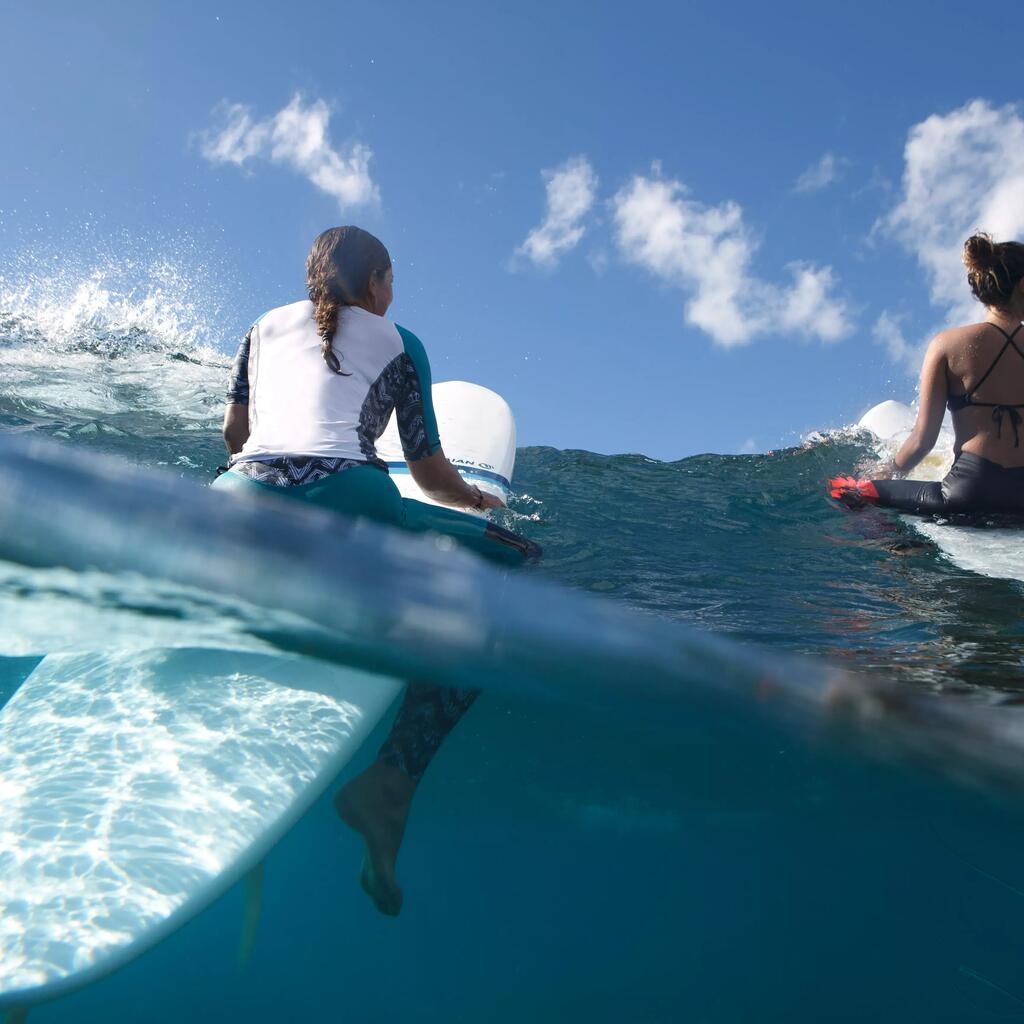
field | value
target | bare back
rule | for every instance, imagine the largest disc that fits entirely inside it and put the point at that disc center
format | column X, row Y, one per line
column 985, row 385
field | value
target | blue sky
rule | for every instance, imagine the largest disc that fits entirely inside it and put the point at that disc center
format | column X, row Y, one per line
column 666, row 228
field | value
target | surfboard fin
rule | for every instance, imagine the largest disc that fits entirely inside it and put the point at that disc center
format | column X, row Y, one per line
column 251, row 914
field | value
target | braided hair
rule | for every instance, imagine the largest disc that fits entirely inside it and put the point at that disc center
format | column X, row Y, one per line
column 338, row 270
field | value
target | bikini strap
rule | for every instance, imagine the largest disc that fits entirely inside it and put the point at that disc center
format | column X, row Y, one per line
column 1009, row 341
column 1010, row 337
column 1016, row 420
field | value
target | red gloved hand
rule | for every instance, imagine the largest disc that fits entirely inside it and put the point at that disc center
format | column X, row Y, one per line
column 851, row 492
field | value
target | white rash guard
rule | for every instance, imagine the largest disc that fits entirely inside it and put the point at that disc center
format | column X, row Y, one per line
column 299, row 407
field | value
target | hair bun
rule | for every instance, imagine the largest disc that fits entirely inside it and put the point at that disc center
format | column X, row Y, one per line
column 980, row 254
column 994, row 269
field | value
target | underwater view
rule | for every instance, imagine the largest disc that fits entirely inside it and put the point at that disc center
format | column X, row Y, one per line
column 652, row 813
column 511, row 514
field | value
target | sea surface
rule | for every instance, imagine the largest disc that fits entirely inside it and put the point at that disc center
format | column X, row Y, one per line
column 623, row 828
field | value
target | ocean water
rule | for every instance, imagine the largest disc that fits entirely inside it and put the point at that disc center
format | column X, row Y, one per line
column 741, row 755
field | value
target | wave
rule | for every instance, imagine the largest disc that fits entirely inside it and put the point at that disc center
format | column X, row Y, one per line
column 126, row 357
column 378, row 599
column 123, row 353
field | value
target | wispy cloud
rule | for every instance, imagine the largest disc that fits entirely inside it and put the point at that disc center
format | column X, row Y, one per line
column 706, row 251
column 962, row 171
column 296, row 136
column 571, row 189
column 888, row 331
column 821, row 174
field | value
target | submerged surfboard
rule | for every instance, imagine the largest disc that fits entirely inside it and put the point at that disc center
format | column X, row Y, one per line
column 987, row 550
column 137, row 788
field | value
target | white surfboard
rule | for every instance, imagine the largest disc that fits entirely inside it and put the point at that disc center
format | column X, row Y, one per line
column 478, row 435
column 136, row 788
column 989, row 551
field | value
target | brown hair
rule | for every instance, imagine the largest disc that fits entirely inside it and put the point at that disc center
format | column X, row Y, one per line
column 994, row 269
column 338, row 270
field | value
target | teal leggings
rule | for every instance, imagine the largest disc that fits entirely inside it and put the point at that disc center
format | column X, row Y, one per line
column 370, row 492
column 358, row 491
column 428, row 713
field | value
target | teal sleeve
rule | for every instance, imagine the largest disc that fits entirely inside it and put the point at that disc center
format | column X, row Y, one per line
column 417, row 424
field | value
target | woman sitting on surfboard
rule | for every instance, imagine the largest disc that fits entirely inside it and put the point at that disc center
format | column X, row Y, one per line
column 312, row 389
column 977, row 372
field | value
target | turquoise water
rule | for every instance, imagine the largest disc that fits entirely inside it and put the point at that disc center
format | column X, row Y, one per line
column 651, row 815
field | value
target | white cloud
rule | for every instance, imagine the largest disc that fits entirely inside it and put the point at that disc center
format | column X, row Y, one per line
column 295, row 136
column 598, row 260
column 570, row 194
column 963, row 171
column 878, row 182
column 818, row 176
column 888, row 331
column 706, row 251
column 239, row 140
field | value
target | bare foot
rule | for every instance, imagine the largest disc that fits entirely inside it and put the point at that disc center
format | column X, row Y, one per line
column 376, row 805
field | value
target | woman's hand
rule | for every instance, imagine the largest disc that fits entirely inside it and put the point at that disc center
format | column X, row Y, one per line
column 486, row 501
column 437, row 478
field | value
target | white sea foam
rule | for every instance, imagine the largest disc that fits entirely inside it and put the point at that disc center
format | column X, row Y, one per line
column 133, row 336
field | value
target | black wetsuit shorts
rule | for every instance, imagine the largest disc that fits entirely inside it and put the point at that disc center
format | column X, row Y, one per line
column 972, row 485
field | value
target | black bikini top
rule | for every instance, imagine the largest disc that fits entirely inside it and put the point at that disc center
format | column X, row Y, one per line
column 999, row 409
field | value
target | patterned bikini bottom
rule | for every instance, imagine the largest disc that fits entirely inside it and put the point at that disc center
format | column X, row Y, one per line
column 291, row 470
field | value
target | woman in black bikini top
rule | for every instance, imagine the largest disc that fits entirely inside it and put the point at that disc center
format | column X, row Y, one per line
column 988, row 472
column 956, row 403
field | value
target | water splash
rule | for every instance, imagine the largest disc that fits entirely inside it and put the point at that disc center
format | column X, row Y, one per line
column 122, row 346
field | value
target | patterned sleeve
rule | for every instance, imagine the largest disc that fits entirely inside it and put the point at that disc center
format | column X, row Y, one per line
column 414, row 406
column 238, row 382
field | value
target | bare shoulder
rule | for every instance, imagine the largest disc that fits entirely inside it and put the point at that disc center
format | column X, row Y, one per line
column 942, row 344
column 955, row 339
column 964, row 334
